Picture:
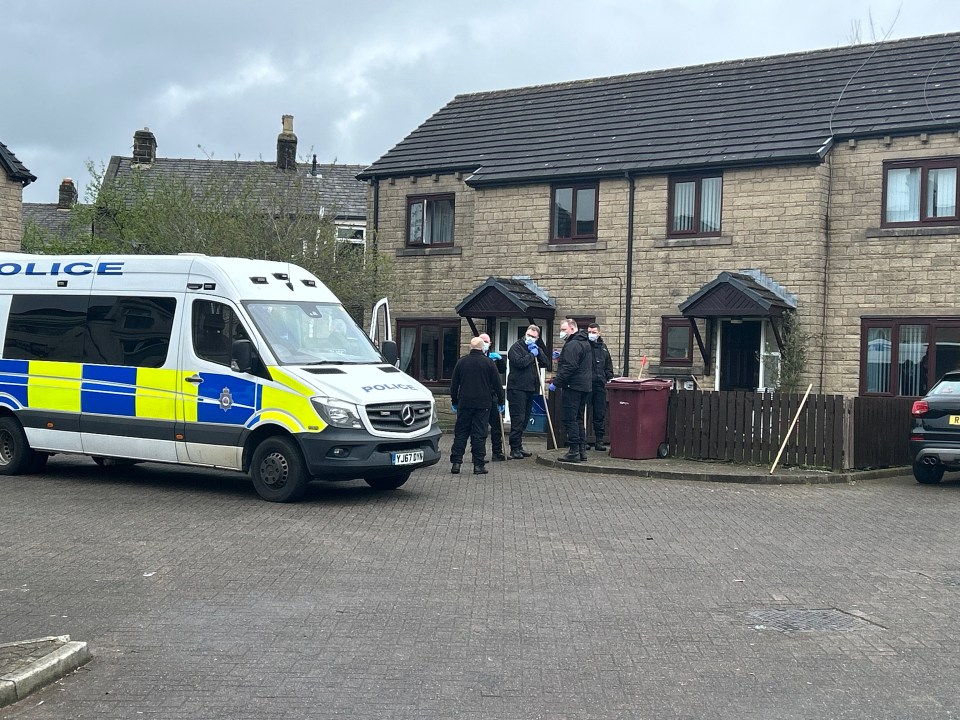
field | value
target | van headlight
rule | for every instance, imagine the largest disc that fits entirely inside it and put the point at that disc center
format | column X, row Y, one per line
column 337, row 413
column 434, row 417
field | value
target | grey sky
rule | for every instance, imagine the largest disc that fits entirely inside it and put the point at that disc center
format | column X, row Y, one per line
column 212, row 78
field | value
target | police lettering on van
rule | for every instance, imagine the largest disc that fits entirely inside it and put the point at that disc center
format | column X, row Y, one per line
column 221, row 362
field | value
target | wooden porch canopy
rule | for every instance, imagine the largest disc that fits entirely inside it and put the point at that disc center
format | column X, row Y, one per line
column 734, row 296
column 507, row 297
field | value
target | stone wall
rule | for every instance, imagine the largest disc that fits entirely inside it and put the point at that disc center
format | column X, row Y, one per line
column 11, row 212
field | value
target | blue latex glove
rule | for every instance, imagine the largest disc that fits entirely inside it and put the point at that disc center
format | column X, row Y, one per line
column 534, row 350
column 495, row 355
column 500, row 409
column 556, row 354
column 551, row 387
column 454, row 408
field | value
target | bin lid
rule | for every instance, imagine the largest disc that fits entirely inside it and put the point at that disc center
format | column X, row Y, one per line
column 640, row 385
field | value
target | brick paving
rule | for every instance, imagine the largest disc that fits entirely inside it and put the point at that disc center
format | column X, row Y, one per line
column 526, row 593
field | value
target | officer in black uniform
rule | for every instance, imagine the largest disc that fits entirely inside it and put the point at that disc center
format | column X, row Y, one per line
column 473, row 388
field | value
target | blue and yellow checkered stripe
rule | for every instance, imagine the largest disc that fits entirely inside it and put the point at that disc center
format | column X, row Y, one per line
column 152, row 393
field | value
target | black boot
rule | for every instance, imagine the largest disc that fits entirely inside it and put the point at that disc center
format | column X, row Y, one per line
column 516, row 454
column 499, row 456
column 525, row 452
column 599, row 446
column 480, row 470
column 573, row 456
column 455, row 468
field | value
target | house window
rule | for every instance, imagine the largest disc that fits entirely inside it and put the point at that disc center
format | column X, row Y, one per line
column 429, row 349
column 676, row 342
column 430, row 220
column 906, row 356
column 694, row 206
column 920, row 192
column 574, row 215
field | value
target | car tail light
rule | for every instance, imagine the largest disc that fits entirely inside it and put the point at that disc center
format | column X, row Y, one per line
column 920, row 407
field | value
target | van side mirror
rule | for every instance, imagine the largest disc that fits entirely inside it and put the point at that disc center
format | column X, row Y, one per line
column 242, row 356
column 388, row 349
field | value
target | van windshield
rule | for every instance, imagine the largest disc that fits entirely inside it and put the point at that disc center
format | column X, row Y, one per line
column 301, row 333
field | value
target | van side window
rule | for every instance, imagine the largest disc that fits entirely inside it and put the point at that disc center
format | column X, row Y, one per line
column 102, row 330
column 215, row 327
column 45, row 327
column 132, row 331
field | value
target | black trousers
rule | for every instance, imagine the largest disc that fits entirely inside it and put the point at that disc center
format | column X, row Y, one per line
column 496, row 430
column 521, row 405
column 574, row 405
column 471, row 423
column 597, row 401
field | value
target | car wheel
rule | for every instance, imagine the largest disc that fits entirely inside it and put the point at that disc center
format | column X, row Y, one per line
column 928, row 474
column 15, row 453
column 388, row 482
column 278, row 471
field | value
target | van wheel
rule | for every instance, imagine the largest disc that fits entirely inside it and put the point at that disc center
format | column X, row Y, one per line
column 15, row 454
column 928, row 474
column 388, row 482
column 278, row 471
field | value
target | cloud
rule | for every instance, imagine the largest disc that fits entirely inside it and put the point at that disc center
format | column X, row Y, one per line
column 258, row 73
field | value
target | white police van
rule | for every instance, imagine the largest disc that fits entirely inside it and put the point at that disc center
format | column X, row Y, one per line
column 220, row 362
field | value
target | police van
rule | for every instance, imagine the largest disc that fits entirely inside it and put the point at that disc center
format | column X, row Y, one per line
column 230, row 363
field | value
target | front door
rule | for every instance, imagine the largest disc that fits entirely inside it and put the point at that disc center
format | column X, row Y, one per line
column 739, row 355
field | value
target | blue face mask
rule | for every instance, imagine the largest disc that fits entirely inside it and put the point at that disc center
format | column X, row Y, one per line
column 563, row 334
column 593, row 337
column 530, row 340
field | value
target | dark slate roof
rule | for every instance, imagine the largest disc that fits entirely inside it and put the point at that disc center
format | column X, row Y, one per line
column 734, row 295
column 517, row 297
column 781, row 109
column 333, row 187
column 48, row 218
column 14, row 168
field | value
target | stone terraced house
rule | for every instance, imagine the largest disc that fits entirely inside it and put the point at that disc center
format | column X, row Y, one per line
column 687, row 210
column 14, row 177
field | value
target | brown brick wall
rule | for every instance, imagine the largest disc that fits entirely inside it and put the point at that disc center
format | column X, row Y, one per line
column 11, row 212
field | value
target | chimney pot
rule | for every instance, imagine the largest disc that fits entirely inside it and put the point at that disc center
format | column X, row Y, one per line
column 68, row 195
column 287, row 145
column 144, row 147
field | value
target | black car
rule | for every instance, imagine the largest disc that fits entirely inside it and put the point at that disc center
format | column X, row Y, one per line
column 935, row 437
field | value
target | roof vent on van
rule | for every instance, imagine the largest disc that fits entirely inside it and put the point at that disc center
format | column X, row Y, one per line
column 309, row 283
column 258, row 280
column 281, row 276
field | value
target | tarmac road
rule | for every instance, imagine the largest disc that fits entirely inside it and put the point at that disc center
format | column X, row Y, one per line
column 529, row 592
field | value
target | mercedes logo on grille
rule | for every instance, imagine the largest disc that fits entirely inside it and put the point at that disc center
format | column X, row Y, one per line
column 407, row 415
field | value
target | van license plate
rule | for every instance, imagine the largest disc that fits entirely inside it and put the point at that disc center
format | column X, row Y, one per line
column 955, row 419
column 407, row 458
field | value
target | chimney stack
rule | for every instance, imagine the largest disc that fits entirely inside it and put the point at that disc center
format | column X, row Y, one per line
column 68, row 195
column 287, row 146
column 144, row 147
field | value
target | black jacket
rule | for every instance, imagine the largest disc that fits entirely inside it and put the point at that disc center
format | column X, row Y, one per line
column 575, row 366
column 525, row 368
column 602, row 363
column 475, row 382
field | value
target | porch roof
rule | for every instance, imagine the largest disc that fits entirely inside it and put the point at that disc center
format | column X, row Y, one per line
column 734, row 295
column 507, row 297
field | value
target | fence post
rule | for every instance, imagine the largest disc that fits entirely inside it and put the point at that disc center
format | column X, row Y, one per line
column 849, row 425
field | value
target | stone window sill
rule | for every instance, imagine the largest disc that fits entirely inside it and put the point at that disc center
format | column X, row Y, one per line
column 572, row 247
column 680, row 242
column 905, row 232
column 428, row 251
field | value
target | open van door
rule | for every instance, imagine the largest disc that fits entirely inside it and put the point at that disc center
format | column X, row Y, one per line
column 381, row 331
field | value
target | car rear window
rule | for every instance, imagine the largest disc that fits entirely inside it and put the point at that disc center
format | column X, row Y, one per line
column 947, row 386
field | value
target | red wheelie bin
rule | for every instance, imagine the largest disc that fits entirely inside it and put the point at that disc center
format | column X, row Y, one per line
column 638, row 417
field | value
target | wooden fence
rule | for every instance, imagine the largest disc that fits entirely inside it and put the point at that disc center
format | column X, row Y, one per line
column 881, row 431
column 749, row 427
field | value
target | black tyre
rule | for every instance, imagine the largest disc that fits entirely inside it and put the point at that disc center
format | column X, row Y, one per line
column 928, row 474
column 16, row 456
column 388, row 482
column 278, row 471
column 663, row 449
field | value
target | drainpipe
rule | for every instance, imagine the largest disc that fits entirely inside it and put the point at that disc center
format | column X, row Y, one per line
column 376, row 210
column 826, row 270
column 628, row 310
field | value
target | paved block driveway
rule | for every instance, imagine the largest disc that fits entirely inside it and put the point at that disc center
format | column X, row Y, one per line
column 525, row 593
